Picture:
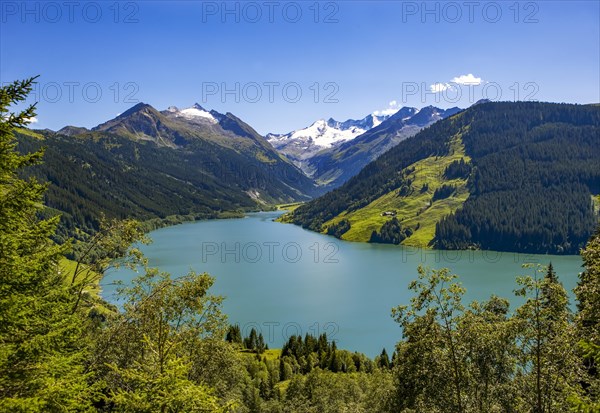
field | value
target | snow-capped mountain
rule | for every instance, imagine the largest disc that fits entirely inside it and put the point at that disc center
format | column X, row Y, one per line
column 194, row 113
column 323, row 134
column 331, row 162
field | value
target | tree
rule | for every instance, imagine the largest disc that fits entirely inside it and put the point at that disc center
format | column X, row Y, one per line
column 547, row 363
column 438, row 301
column 488, row 338
column 234, row 335
column 149, row 349
column 383, row 361
column 260, row 344
column 251, row 342
column 335, row 364
column 42, row 338
column 587, row 293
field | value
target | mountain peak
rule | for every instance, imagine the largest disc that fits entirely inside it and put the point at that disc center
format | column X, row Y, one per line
column 137, row 108
column 70, row 130
column 405, row 112
column 480, row 101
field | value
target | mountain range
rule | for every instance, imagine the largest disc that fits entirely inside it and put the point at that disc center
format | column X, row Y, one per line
column 302, row 144
column 334, row 166
column 331, row 152
column 147, row 163
column 431, row 177
column 194, row 162
column 505, row 176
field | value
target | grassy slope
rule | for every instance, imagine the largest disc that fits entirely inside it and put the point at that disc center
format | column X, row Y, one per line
column 288, row 207
column 414, row 209
column 30, row 133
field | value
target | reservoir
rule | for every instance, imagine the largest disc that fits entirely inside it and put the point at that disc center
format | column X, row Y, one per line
column 281, row 279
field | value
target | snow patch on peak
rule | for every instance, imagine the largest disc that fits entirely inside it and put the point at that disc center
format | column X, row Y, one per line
column 195, row 112
column 324, row 134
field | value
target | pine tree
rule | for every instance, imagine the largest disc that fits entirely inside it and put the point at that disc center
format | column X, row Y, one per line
column 260, row 344
column 251, row 342
column 234, row 335
column 383, row 361
column 335, row 364
column 42, row 341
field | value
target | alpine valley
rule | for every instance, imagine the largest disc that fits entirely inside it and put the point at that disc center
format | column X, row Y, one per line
column 503, row 176
column 331, row 152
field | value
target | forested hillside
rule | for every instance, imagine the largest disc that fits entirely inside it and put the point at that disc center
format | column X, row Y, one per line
column 536, row 168
column 120, row 179
column 147, row 164
column 531, row 170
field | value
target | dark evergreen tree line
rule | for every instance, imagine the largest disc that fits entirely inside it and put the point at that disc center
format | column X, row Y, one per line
column 391, row 233
column 339, row 228
column 457, row 169
column 536, row 166
column 443, row 192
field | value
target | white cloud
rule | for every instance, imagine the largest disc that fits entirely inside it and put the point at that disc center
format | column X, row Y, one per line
column 462, row 80
column 439, row 87
column 467, row 80
column 393, row 107
column 32, row 120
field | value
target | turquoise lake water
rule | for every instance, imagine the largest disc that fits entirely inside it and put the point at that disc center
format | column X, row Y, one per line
column 284, row 280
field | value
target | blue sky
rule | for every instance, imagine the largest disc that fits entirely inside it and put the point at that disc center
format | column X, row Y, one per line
column 281, row 65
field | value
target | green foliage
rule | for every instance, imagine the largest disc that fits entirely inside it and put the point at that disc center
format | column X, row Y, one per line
column 443, row 192
column 391, row 233
column 324, row 391
column 42, row 339
column 589, row 402
column 588, row 291
column 458, row 169
column 383, row 361
column 547, row 359
column 234, row 335
column 255, row 342
column 481, row 358
column 439, row 297
column 588, row 326
column 145, row 354
column 339, row 228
